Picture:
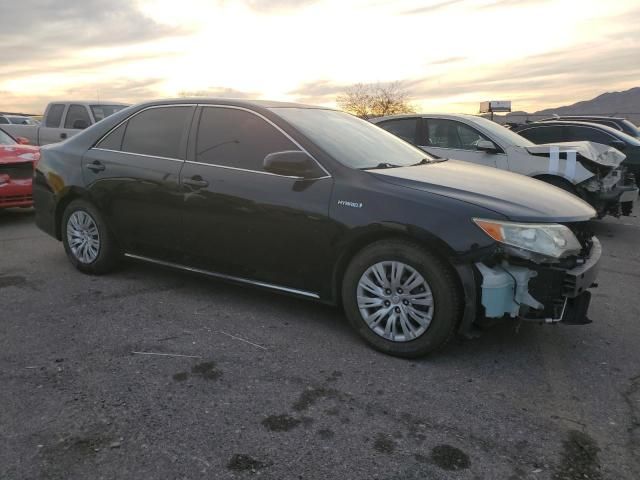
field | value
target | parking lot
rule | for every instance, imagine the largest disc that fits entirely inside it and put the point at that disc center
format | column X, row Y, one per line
column 255, row 384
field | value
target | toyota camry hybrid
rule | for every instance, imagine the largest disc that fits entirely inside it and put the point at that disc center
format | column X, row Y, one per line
column 318, row 203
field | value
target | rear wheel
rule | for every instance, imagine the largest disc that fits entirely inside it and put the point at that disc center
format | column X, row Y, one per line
column 87, row 241
column 402, row 299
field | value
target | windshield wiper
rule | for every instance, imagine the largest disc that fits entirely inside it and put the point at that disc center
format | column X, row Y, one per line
column 382, row 165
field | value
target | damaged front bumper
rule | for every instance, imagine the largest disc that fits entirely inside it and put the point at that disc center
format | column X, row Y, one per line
column 613, row 194
column 543, row 293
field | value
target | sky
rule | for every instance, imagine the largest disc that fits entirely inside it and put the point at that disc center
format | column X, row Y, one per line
column 449, row 54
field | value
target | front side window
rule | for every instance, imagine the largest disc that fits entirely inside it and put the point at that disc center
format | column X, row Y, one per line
column 444, row 133
column 236, row 138
column 405, row 128
column 157, row 132
column 77, row 113
column 54, row 115
column 544, row 134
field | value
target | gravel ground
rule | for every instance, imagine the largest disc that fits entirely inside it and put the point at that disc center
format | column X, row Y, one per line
column 276, row 387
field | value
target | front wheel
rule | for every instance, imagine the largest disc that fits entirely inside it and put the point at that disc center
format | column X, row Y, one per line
column 402, row 299
column 87, row 240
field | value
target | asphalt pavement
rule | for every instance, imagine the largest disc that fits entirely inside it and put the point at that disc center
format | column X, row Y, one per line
column 150, row 373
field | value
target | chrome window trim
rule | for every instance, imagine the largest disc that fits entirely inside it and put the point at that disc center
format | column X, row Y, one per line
column 223, row 276
column 259, row 172
column 328, row 175
column 462, row 149
column 234, row 107
column 138, row 154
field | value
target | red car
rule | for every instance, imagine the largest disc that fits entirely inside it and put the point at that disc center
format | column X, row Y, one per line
column 17, row 162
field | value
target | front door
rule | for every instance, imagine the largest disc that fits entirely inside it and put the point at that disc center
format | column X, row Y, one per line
column 242, row 221
column 132, row 177
column 455, row 140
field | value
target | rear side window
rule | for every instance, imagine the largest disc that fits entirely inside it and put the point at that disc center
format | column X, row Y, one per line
column 405, row 128
column 3, row 120
column 77, row 113
column 54, row 115
column 157, row 132
column 113, row 141
column 236, row 138
column 575, row 133
column 542, row 134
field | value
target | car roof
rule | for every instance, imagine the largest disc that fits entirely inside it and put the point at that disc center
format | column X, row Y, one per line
column 599, row 117
column 599, row 126
column 239, row 102
column 423, row 115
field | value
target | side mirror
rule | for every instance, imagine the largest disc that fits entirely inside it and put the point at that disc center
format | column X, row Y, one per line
column 22, row 141
column 618, row 144
column 80, row 125
column 290, row 163
column 486, row 146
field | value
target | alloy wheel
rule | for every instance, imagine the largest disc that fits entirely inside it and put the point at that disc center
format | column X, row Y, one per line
column 83, row 236
column 395, row 301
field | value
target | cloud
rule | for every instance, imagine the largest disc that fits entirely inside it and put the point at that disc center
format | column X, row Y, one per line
column 318, row 92
column 579, row 68
column 220, row 92
column 432, row 7
column 447, row 61
column 36, row 29
column 512, row 3
column 272, row 6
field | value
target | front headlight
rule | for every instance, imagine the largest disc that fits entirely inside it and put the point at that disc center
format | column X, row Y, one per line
column 548, row 239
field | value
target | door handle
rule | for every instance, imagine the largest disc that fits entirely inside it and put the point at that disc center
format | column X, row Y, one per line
column 195, row 181
column 63, row 135
column 96, row 166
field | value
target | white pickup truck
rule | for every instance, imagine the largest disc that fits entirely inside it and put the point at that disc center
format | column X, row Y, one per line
column 63, row 120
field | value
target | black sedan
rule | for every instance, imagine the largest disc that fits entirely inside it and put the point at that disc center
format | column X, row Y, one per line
column 571, row 131
column 317, row 203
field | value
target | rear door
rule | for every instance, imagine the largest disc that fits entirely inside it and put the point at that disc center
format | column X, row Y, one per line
column 132, row 176
column 446, row 138
column 51, row 130
column 242, row 221
column 405, row 128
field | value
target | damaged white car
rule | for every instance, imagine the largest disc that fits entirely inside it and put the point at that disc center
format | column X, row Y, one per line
column 591, row 171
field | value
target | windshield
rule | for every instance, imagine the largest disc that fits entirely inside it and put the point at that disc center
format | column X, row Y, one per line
column 351, row 141
column 21, row 121
column 631, row 128
column 5, row 139
column 100, row 112
column 503, row 133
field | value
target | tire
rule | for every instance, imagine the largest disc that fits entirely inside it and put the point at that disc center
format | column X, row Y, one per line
column 101, row 254
column 445, row 312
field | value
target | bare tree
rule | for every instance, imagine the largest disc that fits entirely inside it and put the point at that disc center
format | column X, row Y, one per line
column 368, row 100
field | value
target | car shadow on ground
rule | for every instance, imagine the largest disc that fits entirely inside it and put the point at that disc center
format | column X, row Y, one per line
column 16, row 216
column 504, row 338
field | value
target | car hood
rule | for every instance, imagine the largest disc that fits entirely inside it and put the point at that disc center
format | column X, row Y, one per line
column 595, row 152
column 520, row 198
column 17, row 153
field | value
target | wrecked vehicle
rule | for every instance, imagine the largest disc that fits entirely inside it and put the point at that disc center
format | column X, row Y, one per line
column 16, row 172
column 588, row 170
column 320, row 204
